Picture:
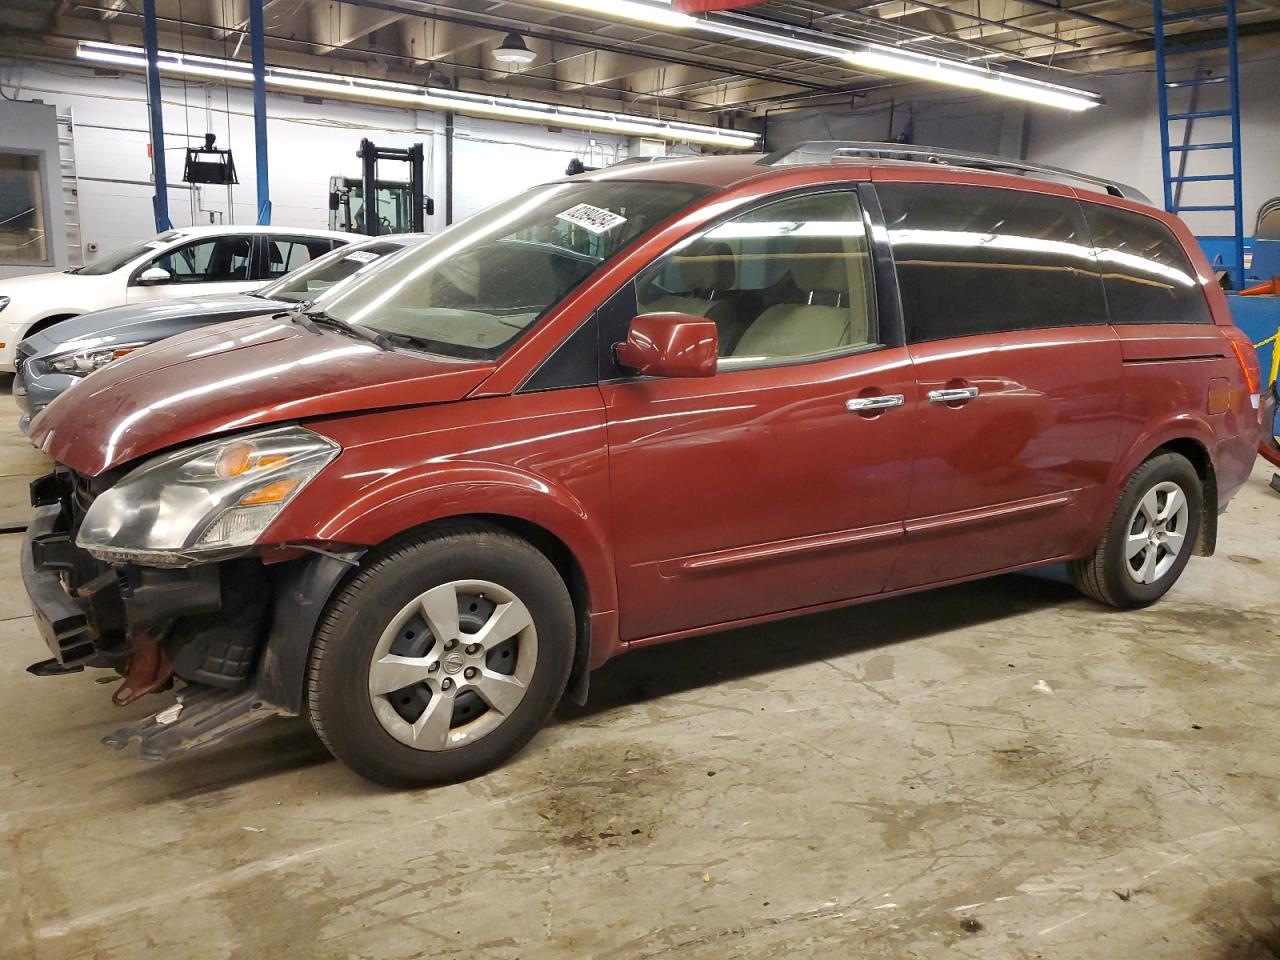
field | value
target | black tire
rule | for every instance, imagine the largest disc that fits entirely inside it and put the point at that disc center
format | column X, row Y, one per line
column 1102, row 575
column 338, row 699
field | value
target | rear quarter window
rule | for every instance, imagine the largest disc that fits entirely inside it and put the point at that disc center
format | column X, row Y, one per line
column 1146, row 274
column 975, row 260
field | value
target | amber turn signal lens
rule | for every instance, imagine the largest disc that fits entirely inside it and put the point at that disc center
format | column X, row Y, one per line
column 234, row 460
column 274, row 492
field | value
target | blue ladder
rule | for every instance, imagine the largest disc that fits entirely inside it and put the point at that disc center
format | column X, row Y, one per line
column 1177, row 153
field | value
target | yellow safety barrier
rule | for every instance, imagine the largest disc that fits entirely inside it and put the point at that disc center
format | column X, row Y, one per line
column 1275, row 356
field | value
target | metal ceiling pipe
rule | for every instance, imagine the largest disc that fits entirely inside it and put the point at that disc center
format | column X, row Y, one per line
column 834, row 13
column 1058, row 8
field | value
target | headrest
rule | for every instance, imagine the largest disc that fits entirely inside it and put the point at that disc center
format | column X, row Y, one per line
column 708, row 266
column 822, row 266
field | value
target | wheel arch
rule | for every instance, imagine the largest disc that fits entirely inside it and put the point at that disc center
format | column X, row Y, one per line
column 1193, row 440
column 45, row 322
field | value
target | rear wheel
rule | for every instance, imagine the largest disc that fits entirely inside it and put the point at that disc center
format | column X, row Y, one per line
column 442, row 658
column 1150, row 537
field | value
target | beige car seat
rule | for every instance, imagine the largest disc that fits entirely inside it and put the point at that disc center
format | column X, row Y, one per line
column 832, row 312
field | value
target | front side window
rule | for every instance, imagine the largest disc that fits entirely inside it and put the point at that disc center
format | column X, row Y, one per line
column 320, row 274
column 975, row 260
column 472, row 290
column 214, row 260
column 285, row 254
column 22, row 227
column 785, row 281
column 1145, row 271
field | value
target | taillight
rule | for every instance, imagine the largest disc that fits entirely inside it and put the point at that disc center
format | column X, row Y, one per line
column 1247, row 357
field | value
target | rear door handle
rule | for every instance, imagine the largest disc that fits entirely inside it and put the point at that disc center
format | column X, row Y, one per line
column 863, row 404
column 953, row 395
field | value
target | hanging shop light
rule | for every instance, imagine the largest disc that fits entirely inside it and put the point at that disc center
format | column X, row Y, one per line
column 514, row 50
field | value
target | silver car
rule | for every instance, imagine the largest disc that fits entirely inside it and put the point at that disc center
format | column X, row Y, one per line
column 57, row 358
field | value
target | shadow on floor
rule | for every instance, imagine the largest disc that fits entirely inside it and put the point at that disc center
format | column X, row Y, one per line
column 709, row 660
column 289, row 746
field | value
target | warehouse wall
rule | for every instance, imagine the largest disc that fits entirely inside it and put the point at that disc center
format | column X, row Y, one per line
column 1122, row 139
column 1119, row 139
column 308, row 142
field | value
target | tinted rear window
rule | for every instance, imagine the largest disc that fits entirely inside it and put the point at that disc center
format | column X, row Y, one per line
column 975, row 260
column 1145, row 272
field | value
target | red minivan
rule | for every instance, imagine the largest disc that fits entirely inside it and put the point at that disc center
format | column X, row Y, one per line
column 631, row 406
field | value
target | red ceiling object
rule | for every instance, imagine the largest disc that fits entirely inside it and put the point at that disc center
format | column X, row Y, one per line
column 701, row 6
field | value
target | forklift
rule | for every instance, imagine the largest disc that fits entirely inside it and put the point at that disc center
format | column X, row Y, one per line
column 398, row 206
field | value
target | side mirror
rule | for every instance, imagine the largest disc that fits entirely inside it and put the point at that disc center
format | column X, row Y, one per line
column 154, row 275
column 670, row 345
column 334, row 200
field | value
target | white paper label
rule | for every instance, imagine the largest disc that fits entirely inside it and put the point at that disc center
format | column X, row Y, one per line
column 361, row 256
column 592, row 219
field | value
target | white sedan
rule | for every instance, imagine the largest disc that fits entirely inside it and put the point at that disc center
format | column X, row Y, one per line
column 186, row 262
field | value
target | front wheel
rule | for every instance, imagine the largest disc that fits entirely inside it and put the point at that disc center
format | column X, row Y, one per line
column 1150, row 537
column 441, row 658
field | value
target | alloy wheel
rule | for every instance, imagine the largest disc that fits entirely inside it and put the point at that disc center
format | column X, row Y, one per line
column 1156, row 534
column 452, row 665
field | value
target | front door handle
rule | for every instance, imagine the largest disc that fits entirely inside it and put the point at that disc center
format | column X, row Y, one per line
column 863, row 404
column 953, row 395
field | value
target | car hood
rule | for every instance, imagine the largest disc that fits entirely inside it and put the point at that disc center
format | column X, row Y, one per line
column 241, row 374
column 145, row 322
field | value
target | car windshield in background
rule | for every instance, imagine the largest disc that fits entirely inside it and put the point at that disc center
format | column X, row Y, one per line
column 470, row 291
column 113, row 261
column 320, row 274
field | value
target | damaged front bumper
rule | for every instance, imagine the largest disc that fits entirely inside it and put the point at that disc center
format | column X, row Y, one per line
column 235, row 635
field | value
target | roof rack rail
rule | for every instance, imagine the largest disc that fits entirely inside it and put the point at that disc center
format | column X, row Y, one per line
column 828, row 151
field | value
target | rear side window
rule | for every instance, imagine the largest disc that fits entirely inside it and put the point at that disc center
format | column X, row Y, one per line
column 1145, row 272
column 286, row 253
column 975, row 260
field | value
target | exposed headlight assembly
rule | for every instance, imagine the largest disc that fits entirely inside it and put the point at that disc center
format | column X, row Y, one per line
column 203, row 503
column 83, row 362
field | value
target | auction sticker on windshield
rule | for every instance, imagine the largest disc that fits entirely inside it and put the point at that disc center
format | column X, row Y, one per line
column 361, row 256
column 592, row 219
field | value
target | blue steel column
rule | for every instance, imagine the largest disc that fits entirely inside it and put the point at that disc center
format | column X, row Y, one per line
column 155, row 107
column 1162, row 88
column 257, row 47
column 1233, row 57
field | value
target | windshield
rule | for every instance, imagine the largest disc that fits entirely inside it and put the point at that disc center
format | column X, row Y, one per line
column 470, row 291
column 113, row 261
column 308, row 282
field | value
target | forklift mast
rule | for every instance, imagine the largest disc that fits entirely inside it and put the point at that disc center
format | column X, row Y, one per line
column 419, row 204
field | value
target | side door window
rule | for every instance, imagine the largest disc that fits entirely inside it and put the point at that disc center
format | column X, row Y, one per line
column 979, row 260
column 787, row 281
column 223, row 259
column 285, row 254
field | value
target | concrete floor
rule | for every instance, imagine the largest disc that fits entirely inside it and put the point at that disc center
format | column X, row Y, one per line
column 999, row 770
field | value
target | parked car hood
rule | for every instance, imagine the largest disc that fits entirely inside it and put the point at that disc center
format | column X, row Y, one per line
column 145, row 322
column 235, row 375
column 66, row 290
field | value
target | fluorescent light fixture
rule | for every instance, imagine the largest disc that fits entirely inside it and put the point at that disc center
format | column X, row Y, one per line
column 956, row 74
column 314, row 83
column 876, row 57
column 657, row 14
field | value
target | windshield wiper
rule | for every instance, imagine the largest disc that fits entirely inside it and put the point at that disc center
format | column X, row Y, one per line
column 313, row 320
